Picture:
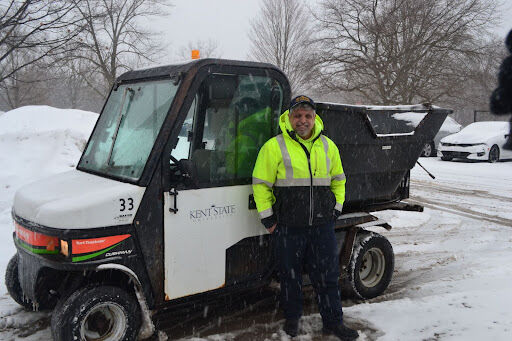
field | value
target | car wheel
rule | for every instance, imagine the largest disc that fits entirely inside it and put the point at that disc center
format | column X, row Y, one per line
column 494, row 154
column 97, row 313
column 446, row 158
column 12, row 283
column 371, row 267
column 428, row 149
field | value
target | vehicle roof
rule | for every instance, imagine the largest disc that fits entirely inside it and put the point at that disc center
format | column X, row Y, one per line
column 171, row 69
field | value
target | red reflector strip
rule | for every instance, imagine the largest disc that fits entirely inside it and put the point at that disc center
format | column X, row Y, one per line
column 36, row 239
column 96, row 244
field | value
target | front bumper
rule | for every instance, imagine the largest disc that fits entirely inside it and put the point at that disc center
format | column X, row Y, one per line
column 478, row 152
column 40, row 258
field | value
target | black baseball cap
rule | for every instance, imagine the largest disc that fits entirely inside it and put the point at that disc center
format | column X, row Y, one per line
column 302, row 99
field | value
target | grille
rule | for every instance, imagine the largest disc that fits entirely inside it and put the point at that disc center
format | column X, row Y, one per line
column 461, row 155
column 459, row 144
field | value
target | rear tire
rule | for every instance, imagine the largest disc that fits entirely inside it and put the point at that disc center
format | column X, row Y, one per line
column 97, row 313
column 13, row 285
column 494, row 154
column 429, row 149
column 370, row 268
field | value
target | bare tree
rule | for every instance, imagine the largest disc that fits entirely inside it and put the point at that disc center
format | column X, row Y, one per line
column 26, row 85
column 475, row 91
column 401, row 51
column 42, row 27
column 208, row 48
column 114, row 39
column 281, row 34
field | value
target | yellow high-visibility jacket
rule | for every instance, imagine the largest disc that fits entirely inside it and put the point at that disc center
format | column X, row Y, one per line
column 298, row 182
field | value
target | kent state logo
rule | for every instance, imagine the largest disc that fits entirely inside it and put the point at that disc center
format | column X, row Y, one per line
column 212, row 213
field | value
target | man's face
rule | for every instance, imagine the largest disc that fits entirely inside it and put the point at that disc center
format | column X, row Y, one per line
column 302, row 119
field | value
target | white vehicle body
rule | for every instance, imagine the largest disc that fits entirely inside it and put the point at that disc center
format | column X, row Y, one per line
column 78, row 200
column 475, row 141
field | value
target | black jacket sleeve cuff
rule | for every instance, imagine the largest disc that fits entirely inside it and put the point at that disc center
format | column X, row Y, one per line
column 268, row 222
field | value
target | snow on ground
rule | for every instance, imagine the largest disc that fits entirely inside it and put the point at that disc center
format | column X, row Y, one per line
column 452, row 273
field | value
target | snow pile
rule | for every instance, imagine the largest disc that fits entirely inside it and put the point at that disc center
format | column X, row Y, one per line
column 412, row 118
column 36, row 141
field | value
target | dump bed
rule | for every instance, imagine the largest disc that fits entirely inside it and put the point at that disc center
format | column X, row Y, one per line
column 379, row 145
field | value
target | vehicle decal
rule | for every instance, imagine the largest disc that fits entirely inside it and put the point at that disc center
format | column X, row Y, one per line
column 92, row 255
column 96, row 244
column 36, row 242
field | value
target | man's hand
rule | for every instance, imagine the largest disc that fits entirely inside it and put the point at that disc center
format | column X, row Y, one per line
column 271, row 230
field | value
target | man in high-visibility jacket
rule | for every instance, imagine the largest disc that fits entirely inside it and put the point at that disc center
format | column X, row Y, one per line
column 299, row 189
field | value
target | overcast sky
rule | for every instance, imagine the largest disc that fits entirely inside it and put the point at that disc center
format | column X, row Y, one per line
column 228, row 23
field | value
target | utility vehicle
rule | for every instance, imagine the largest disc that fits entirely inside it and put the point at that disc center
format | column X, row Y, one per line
column 159, row 210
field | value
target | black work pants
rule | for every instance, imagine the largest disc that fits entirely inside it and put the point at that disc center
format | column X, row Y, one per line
column 314, row 249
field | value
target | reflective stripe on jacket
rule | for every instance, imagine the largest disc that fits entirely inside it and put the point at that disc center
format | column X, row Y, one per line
column 298, row 182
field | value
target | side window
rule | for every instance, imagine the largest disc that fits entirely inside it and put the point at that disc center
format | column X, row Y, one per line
column 237, row 115
column 182, row 149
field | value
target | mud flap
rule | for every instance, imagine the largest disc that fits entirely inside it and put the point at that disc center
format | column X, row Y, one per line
column 28, row 272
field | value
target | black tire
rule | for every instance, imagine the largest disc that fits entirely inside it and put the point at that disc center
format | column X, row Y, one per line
column 446, row 158
column 12, row 283
column 494, row 154
column 363, row 280
column 429, row 149
column 94, row 310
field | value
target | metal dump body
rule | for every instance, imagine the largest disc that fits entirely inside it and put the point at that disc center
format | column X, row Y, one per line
column 379, row 145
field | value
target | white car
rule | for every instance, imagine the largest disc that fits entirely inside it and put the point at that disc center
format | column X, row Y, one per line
column 477, row 141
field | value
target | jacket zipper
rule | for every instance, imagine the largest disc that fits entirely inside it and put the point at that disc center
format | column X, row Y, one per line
column 311, row 202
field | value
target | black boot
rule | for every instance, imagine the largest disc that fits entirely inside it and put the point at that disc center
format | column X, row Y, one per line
column 291, row 327
column 341, row 331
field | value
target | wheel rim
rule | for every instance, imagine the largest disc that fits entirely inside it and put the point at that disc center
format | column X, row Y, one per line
column 104, row 322
column 427, row 150
column 372, row 267
column 494, row 154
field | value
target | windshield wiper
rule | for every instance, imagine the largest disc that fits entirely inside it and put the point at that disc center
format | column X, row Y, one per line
column 118, row 124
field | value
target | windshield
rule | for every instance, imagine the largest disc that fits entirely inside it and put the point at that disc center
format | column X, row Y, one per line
column 127, row 129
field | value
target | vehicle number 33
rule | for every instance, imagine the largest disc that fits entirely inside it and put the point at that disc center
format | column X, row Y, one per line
column 126, row 204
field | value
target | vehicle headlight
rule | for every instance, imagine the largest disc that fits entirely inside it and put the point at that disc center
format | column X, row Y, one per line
column 64, row 248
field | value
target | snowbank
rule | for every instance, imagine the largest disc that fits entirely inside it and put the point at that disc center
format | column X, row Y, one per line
column 412, row 118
